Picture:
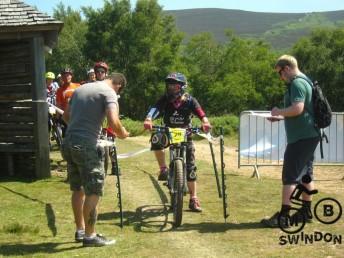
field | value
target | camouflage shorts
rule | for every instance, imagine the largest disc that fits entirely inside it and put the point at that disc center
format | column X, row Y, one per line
column 85, row 165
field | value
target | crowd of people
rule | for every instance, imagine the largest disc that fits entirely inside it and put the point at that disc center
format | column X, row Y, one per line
column 86, row 105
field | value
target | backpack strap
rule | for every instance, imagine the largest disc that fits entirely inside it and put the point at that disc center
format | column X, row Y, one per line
column 309, row 82
column 322, row 134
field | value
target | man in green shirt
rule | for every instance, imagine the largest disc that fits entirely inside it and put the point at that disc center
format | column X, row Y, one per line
column 302, row 139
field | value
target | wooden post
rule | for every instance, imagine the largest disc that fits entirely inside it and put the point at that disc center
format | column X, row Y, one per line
column 40, row 109
column 10, row 164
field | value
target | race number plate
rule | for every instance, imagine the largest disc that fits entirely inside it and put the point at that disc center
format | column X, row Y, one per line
column 177, row 135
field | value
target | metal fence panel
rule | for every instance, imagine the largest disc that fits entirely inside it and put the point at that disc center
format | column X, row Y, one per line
column 262, row 143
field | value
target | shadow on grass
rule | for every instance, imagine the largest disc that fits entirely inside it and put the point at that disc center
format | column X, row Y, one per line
column 147, row 218
column 49, row 211
column 30, row 249
column 215, row 227
column 156, row 186
column 22, row 179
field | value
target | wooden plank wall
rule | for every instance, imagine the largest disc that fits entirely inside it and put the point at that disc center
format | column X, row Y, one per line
column 16, row 110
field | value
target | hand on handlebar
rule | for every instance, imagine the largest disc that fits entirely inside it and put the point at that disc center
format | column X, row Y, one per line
column 148, row 124
column 206, row 127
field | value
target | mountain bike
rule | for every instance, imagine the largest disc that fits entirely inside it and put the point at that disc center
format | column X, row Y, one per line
column 176, row 140
column 108, row 135
column 55, row 127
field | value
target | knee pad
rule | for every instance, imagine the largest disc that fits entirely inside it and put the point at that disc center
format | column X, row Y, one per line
column 306, row 179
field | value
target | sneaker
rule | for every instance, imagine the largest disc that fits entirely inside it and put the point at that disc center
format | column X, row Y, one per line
column 273, row 221
column 97, row 241
column 194, row 205
column 163, row 175
column 79, row 235
column 302, row 214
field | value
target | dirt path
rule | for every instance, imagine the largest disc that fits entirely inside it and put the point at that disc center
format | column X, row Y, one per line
column 328, row 178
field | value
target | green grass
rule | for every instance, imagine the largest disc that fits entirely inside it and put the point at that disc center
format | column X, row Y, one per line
column 36, row 218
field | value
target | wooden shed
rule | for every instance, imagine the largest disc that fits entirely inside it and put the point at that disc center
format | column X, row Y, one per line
column 25, row 35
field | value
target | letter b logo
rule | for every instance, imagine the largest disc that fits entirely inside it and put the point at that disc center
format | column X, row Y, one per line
column 328, row 210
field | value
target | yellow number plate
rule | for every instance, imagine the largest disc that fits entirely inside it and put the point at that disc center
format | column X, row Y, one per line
column 177, row 135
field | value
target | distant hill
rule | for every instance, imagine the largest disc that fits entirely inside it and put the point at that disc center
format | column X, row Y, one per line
column 282, row 30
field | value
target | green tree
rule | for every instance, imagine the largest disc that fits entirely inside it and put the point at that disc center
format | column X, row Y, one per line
column 321, row 57
column 232, row 77
column 69, row 50
column 142, row 43
column 202, row 58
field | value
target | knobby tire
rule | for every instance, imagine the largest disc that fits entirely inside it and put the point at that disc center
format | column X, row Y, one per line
column 178, row 193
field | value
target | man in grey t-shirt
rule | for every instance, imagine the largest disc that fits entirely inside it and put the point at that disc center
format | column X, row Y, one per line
column 88, row 107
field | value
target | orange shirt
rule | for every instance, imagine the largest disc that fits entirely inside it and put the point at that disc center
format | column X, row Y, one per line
column 64, row 93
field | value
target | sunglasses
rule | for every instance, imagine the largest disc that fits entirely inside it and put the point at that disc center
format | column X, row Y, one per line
column 100, row 71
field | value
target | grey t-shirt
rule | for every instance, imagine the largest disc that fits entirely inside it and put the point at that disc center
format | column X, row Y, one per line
column 87, row 109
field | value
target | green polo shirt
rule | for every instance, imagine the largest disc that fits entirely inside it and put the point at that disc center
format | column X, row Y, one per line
column 301, row 126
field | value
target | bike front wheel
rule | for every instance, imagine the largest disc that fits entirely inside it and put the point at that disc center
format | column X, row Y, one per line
column 57, row 132
column 106, row 159
column 178, row 193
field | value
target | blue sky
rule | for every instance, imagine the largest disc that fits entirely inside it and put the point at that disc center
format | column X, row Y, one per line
column 290, row 6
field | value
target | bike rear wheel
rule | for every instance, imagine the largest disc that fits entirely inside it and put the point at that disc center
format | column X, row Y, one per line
column 58, row 134
column 106, row 159
column 178, row 193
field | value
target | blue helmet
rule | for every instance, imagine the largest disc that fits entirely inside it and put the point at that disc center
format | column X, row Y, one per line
column 177, row 77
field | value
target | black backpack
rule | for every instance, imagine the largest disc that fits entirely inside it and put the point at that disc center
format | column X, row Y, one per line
column 322, row 110
column 321, row 107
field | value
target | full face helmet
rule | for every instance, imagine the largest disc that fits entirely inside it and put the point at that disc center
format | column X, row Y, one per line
column 176, row 84
column 50, row 75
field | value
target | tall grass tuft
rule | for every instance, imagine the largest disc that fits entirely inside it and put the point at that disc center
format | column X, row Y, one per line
column 17, row 228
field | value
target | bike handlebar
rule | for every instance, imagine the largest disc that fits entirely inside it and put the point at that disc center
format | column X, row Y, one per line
column 165, row 128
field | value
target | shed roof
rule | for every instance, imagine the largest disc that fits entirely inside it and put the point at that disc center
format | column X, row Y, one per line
column 15, row 15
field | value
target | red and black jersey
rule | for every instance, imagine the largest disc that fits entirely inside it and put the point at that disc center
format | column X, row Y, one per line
column 179, row 112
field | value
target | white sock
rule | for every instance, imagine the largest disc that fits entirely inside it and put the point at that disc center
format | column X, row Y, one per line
column 91, row 236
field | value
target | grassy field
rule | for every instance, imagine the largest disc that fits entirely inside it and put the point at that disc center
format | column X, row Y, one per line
column 36, row 218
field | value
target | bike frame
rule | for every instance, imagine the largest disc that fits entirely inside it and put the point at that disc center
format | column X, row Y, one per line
column 177, row 151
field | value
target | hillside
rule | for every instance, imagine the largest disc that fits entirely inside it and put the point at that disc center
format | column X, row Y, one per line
column 281, row 30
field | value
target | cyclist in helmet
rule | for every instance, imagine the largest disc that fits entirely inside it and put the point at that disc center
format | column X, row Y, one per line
column 91, row 76
column 59, row 79
column 51, row 87
column 101, row 69
column 177, row 108
column 65, row 92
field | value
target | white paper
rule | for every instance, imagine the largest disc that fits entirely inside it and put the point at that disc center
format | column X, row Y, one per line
column 266, row 115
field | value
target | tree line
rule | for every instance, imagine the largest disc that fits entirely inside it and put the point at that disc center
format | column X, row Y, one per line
column 144, row 43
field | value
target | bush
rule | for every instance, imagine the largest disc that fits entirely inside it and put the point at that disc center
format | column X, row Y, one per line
column 134, row 127
column 230, row 124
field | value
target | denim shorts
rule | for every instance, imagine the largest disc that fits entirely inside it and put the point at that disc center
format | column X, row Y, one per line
column 298, row 160
column 85, row 165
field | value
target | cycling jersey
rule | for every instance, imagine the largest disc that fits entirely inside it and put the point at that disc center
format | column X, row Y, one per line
column 51, row 92
column 64, row 93
column 179, row 112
